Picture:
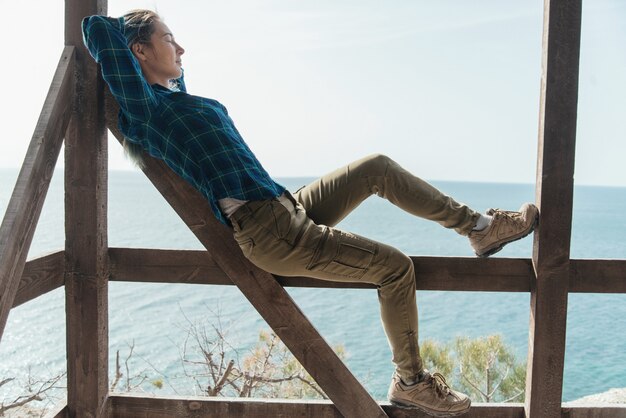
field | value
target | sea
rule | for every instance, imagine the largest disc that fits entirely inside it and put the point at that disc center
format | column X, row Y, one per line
column 154, row 319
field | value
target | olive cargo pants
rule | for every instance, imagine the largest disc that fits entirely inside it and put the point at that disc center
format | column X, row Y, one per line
column 294, row 236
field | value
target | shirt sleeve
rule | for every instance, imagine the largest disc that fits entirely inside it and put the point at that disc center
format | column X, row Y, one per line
column 104, row 38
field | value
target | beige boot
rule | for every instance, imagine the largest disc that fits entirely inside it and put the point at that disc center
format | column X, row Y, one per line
column 431, row 395
column 505, row 227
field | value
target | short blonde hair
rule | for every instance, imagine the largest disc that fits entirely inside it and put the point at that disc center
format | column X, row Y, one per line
column 139, row 26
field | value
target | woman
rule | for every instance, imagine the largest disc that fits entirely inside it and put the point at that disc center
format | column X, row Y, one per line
column 290, row 235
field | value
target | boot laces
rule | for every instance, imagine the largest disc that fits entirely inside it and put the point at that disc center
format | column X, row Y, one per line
column 439, row 384
column 508, row 217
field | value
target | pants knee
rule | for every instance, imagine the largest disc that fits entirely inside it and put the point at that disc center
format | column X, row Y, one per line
column 404, row 272
column 374, row 165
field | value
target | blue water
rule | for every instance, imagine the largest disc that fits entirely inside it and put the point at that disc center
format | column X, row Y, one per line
column 153, row 315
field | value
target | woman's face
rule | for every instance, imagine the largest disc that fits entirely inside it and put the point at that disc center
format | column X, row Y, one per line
column 161, row 59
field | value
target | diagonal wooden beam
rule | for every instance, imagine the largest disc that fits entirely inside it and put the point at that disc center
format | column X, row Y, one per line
column 22, row 214
column 555, row 189
column 40, row 276
column 260, row 288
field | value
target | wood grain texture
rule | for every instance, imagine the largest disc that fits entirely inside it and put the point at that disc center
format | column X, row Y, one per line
column 141, row 406
column 86, row 275
column 267, row 296
column 41, row 275
column 435, row 273
column 165, row 266
column 22, row 214
column 555, row 181
column 597, row 276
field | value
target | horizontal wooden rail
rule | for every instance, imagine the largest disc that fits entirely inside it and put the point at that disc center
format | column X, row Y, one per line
column 44, row 274
column 139, row 405
column 24, row 208
column 433, row 273
column 597, row 276
column 41, row 275
column 124, row 405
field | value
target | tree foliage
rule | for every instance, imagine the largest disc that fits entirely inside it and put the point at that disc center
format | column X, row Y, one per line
column 485, row 368
column 36, row 391
column 267, row 370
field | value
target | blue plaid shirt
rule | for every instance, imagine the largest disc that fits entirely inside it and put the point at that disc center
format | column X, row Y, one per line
column 193, row 135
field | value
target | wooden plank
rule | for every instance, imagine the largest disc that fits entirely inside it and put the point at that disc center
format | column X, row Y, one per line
column 555, row 181
column 24, row 208
column 86, row 275
column 597, row 276
column 129, row 405
column 125, row 405
column 41, row 276
column 267, row 296
column 164, row 266
column 141, row 406
column 434, row 273
column 473, row 274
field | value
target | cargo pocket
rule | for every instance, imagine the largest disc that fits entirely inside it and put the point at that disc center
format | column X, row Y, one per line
column 343, row 254
column 246, row 245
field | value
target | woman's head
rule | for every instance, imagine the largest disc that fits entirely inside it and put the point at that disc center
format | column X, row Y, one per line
column 153, row 44
column 139, row 26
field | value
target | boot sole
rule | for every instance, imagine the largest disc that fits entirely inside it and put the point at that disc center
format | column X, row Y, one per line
column 496, row 249
column 430, row 411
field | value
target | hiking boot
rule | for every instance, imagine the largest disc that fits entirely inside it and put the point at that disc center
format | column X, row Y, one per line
column 505, row 227
column 431, row 395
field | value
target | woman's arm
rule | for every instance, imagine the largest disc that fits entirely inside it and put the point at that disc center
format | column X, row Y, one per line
column 106, row 43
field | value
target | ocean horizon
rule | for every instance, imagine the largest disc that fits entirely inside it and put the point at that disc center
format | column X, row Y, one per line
column 153, row 316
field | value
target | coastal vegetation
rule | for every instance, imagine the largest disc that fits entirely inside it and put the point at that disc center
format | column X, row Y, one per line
column 484, row 368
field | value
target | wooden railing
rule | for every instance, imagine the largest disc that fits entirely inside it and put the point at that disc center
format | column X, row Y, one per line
column 77, row 107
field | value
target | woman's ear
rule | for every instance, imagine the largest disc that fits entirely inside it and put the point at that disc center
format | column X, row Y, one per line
column 138, row 50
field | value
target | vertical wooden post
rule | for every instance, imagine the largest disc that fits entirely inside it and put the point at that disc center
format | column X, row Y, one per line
column 86, row 275
column 555, row 182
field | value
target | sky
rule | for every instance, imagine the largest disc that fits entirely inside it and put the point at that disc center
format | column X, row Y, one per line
column 449, row 89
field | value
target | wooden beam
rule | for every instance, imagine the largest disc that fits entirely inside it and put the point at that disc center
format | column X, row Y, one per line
column 597, row 276
column 41, row 276
column 433, row 273
column 44, row 274
column 128, row 405
column 24, row 208
column 267, row 296
column 473, row 274
column 164, row 266
column 555, row 185
column 86, row 275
